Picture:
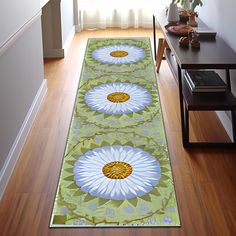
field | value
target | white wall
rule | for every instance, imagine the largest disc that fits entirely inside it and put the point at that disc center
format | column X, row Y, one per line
column 43, row 2
column 220, row 15
column 22, row 83
column 14, row 14
column 21, row 69
column 67, row 18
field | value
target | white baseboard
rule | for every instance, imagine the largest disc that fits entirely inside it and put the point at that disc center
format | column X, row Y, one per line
column 226, row 122
column 19, row 142
column 68, row 41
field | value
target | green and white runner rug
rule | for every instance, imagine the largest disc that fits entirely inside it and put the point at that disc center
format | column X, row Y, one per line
column 116, row 170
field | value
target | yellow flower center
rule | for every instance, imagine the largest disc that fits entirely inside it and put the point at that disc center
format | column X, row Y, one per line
column 117, row 170
column 118, row 97
column 119, row 53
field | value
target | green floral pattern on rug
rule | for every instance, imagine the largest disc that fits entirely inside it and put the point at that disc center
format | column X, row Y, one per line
column 116, row 169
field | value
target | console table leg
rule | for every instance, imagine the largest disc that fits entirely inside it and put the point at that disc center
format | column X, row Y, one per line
column 233, row 117
column 227, row 73
column 186, row 125
column 181, row 107
column 154, row 36
column 162, row 44
column 159, row 56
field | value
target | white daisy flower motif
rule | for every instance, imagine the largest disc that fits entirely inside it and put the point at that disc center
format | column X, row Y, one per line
column 118, row 98
column 119, row 54
column 117, row 172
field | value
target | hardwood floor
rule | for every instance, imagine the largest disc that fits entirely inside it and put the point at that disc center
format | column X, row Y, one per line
column 205, row 179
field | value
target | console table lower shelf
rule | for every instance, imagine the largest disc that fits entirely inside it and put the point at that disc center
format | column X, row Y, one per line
column 201, row 102
column 207, row 102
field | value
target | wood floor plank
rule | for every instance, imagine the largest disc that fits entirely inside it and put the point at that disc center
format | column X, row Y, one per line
column 205, row 179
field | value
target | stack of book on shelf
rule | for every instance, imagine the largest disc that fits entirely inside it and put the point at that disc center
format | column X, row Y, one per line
column 204, row 81
column 206, row 33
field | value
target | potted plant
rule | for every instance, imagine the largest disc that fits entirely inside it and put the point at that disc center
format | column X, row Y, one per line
column 188, row 4
column 195, row 3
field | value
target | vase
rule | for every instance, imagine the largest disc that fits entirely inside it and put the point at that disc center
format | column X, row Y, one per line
column 173, row 14
column 187, row 4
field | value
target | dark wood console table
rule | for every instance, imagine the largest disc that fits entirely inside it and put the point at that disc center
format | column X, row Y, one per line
column 213, row 54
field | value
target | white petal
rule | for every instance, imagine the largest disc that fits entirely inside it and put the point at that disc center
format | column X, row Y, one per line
column 145, row 174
